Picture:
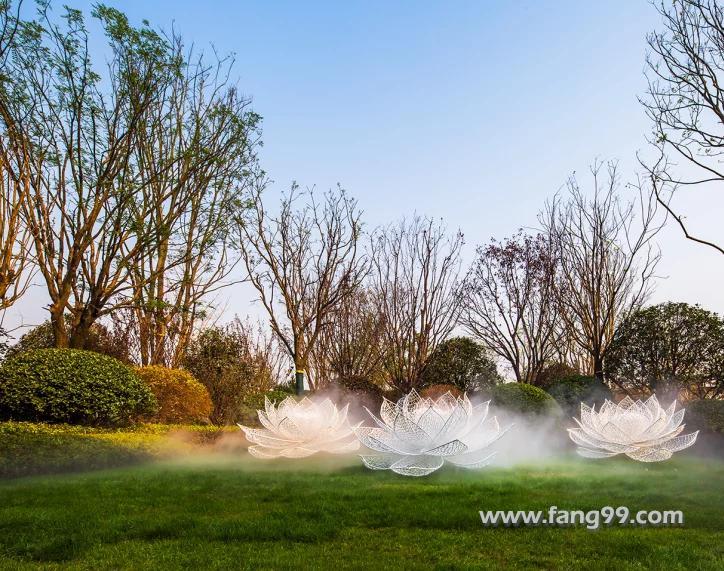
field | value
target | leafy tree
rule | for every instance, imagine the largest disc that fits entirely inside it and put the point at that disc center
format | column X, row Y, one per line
column 461, row 362
column 73, row 126
column 670, row 346
column 233, row 364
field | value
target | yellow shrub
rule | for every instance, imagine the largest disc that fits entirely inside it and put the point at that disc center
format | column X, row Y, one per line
column 181, row 398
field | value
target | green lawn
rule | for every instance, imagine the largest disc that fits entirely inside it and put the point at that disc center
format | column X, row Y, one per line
column 234, row 512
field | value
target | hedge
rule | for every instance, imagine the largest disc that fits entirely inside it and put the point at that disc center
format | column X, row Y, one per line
column 72, row 386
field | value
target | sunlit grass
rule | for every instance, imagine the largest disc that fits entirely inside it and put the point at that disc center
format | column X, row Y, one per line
column 233, row 512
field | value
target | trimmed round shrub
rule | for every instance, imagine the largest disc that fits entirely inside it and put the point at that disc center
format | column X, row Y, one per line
column 72, row 386
column 436, row 391
column 570, row 391
column 181, row 398
column 524, row 399
column 706, row 415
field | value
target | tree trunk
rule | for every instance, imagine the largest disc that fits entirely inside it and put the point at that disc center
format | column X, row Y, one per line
column 60, row 330
column 80, row 331
column 598, row 367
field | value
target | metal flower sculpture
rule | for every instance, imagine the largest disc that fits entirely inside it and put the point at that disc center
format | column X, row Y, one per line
column 641, row 430
column 298, row 429
column 416, row 435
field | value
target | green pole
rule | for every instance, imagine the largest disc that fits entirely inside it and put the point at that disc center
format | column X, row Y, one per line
column 300, row 381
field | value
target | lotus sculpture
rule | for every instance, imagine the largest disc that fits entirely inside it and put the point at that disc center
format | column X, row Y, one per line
column 641, row 430
column 296, row 429
column 416, row 435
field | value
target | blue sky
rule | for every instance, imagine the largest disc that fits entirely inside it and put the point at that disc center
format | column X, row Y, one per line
column 472, row 111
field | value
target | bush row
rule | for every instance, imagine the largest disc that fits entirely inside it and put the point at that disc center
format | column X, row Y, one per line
column 88, row 388
column 91, row 389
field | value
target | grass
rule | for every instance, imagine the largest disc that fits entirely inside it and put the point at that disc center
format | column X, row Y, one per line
column 234, row 512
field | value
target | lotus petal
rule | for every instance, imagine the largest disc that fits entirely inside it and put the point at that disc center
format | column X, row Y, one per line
column 417, row 465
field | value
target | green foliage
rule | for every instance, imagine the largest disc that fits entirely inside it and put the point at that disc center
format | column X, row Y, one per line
column 5, row 338
column 100, row 340
column 524, row 398
column 570, row 391
column 181, row 398
column 462, row 362
column 73, row 386
column 224, row 361
column 706, row 415
column 669, row 347
column 28, row 448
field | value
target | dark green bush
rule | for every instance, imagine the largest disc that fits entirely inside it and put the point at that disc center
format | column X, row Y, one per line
column 570, row 391
column 275, row 395
column 706, row 415
column 73, row 386
column 525, row 399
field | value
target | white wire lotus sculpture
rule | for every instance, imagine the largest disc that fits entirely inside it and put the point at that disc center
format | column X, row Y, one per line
column 298, row 429
column 642, row 430
column 416, row 435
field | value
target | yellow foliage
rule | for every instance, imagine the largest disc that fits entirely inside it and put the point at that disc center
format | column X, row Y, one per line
column 181, row 398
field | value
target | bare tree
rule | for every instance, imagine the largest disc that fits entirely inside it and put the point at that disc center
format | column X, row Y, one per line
column 15, row 274
column 197, row 151
column 76, row 128
column 15, row 238
column 416, row 270
column 607, row 259
column 685, row 72
column 303, row 262
column 352, row 346
column 509, row 302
